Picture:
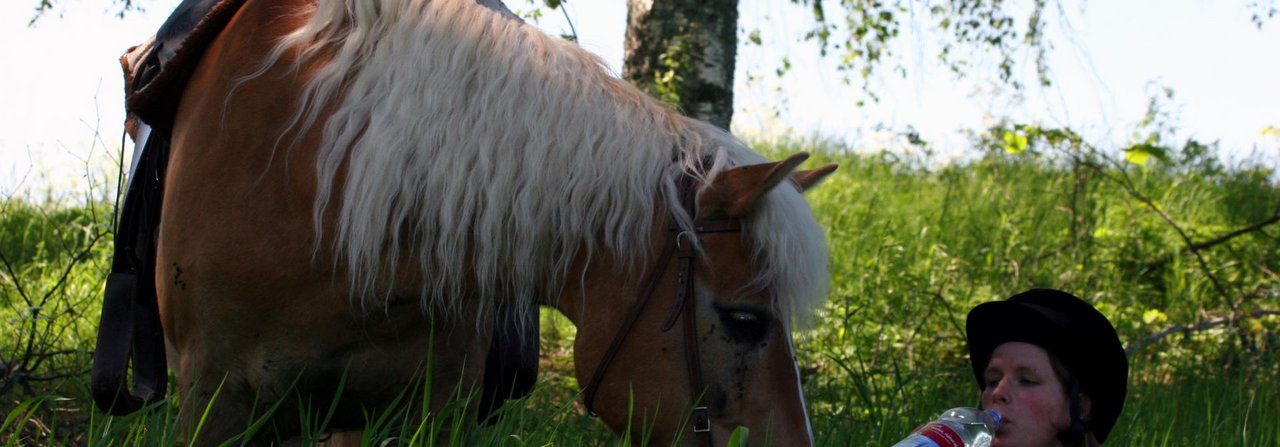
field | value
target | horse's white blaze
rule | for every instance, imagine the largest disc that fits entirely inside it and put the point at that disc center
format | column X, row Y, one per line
column 808, row 425
column 472, row 140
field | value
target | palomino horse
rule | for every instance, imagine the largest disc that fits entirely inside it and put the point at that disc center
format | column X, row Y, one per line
column 354, row 185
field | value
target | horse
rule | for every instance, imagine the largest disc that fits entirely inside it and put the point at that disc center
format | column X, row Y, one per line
column 354, row 187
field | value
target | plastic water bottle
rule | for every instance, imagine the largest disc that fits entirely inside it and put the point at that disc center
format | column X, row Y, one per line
column 957, row 427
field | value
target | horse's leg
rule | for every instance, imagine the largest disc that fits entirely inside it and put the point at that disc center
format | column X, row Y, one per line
column 234, row 248
column 232, row 379
column 511, row 367
column 452, row 355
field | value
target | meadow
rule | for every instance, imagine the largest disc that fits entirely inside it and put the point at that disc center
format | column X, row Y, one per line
column 1177, row 248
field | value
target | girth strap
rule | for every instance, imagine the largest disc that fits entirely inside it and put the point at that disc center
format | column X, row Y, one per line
column 129, row 330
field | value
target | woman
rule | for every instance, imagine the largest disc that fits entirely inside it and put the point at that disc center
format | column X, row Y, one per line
column 1052, row 365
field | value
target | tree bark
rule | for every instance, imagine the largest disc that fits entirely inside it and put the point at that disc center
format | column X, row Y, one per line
column 683, row 51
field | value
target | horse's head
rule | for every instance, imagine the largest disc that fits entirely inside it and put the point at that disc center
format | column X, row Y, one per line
column 667, row 358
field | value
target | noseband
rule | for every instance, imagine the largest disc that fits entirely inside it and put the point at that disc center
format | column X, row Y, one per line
column 682, row 302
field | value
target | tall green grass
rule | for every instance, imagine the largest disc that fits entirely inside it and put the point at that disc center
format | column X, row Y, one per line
column 913, row 247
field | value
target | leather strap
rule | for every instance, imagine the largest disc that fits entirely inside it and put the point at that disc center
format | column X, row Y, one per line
column 650, row 283
column 700, row 418
column 129, row 330
column 683, row 302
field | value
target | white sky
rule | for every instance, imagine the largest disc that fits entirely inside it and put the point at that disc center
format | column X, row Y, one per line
column 61, row 100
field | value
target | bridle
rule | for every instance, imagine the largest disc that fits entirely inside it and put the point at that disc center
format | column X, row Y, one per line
column 683, row 302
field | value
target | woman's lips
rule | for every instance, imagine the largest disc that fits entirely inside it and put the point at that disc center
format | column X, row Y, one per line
column 998, row 439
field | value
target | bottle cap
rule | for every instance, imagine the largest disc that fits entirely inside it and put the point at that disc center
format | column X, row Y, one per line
column 993, row 419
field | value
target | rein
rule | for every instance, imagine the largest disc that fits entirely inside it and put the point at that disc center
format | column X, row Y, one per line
column 682, row 302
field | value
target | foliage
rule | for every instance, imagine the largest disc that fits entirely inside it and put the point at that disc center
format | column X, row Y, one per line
column 864, row 37
column 1262, row 11
column 673, row 65
column 1178, row 252
column 44, row 7
column 52, row 259
column 980, row 39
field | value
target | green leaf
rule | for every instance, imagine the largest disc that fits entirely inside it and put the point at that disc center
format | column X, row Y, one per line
column 1137, row 155
column 1153, row 316
column 739, row 437
column 1140, row 153
column 18, row 417
column 1014, row 143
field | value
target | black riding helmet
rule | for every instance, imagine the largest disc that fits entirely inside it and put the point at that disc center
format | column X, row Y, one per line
column 1074, row 332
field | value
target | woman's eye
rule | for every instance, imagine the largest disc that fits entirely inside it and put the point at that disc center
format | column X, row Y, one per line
column 745, row 326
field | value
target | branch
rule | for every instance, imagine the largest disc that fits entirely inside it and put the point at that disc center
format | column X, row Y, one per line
column 44, row 6
column 1234, row 234
column 71, row 265
column 1256, row 227
column 51, row 378
column 30, row 358
column 1187, row 329
column 1125, row 182
column 13, row 276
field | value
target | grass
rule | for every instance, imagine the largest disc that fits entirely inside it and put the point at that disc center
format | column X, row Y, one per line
column 913, row 247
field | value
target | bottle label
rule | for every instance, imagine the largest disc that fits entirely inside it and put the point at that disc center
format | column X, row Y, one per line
column 941, row 434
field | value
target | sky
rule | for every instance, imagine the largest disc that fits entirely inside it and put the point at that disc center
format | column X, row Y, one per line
column 61, row 88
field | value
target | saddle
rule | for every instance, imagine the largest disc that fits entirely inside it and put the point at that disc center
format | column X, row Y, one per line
column 157, row 71
column 129, row 332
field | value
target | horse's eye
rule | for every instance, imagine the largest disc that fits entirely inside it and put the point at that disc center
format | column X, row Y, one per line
column 745, row 326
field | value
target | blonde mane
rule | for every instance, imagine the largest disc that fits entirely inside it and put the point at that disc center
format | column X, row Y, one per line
column 488, row 154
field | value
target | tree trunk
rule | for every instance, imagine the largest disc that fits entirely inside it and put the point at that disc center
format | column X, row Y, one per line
column 682, row 51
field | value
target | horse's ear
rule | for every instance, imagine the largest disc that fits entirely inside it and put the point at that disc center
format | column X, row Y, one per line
column 735, row 192
column 808, row 179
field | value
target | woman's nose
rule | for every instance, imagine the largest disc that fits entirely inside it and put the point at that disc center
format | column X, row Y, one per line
column 997, row 392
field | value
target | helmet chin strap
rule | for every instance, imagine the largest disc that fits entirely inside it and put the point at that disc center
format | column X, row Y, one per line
column 1073, row 434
